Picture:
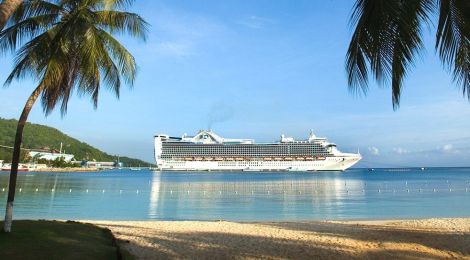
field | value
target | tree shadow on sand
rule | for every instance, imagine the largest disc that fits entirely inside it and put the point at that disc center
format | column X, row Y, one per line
column 335, row 241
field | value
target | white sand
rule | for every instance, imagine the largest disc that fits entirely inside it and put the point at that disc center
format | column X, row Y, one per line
column 410, row 239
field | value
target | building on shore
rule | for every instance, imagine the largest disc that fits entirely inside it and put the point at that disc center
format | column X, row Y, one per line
column 51, row 156
column 98, row 165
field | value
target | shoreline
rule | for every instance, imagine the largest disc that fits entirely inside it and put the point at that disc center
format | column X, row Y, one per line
column 69, row 169
column 384, row 239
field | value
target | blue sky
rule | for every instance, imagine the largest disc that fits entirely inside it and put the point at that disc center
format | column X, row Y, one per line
column 257, row 69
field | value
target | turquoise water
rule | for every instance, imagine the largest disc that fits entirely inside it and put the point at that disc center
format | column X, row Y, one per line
column 242, row 196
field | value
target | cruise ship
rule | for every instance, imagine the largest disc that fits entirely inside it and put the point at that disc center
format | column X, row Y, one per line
column 207, row 151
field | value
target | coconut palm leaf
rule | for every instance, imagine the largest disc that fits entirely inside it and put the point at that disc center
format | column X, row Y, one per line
column 385, row 41
column 73, row 47
column 453, row 40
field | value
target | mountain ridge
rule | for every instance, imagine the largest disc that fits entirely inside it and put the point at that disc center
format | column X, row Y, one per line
column 43, row 137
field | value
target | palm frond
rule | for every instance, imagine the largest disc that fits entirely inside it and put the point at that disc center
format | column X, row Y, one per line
column 122, row 57
column 24, row 30
column 122, row 22
column 386, row 39
column 32, row 8
column 72, row 48
column 453, row 40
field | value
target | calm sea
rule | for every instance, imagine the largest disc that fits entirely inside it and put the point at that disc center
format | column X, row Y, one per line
column 242, row 196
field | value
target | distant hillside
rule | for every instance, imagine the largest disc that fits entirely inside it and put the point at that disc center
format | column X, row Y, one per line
column 44, row 137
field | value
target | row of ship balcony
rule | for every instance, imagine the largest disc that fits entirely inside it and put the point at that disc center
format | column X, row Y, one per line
column 284, row 158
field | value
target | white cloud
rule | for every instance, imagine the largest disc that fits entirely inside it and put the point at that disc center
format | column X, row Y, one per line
column 400, row 151
column 373, row 150
column 179, row 33
column 256, row 22
column 448, row 148
column 174, row 49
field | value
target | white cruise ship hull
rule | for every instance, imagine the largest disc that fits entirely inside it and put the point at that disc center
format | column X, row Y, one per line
column 209, row 152
column 329, row 164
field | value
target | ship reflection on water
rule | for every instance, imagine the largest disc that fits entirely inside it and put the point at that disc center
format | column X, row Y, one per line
column 245, row 200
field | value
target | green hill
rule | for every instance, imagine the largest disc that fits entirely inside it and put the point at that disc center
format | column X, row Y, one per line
column 47, row 138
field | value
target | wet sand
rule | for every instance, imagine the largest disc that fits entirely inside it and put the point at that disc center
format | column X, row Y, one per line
column 408, row 239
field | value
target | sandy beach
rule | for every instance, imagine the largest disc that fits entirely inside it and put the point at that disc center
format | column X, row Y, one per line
column 408, row 239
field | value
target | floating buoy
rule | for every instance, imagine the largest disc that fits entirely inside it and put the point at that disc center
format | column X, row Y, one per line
column 37, row 189
column 120, row 191
column 52, row 190
column 87, row 191
column 379, row 190
column 103, row 191
column 70, row 190
column 408, row 190
column 20, row 189
column 137, row 192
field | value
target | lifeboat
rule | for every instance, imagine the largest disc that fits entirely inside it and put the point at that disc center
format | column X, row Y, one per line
column 207, row 158
column 198, row 158
column 300, row 158
column 219, row 159
column 267, row 158
column 188, row 158
column 288, row 158
column 277, row 158
column 309, row 158
column 229, row 159
column 239, row 159
column 321, row 158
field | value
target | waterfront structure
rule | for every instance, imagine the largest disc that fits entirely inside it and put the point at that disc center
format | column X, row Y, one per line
column 51, row 156
column 207, row 151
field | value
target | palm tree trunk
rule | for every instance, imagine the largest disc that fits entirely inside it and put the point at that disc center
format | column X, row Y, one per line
column 16, row 157
column 7, row 7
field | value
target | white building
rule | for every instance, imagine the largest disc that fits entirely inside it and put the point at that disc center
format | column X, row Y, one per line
column 51, row 156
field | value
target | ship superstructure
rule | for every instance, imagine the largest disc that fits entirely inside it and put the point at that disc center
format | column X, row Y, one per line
column 207, row 151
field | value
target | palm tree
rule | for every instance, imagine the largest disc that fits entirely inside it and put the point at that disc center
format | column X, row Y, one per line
column 69, row 48
column 7, row 7
column 387, row 38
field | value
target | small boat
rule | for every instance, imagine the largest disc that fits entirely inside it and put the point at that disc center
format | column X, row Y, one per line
column 135, row 168
column 21, row 168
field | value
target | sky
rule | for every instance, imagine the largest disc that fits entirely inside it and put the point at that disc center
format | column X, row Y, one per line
column 259, row 69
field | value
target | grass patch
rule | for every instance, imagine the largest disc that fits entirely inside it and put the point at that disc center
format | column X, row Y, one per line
column 57, row 240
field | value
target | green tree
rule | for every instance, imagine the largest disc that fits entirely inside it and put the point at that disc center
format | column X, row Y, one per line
column 387, row 38
column 67, row 45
